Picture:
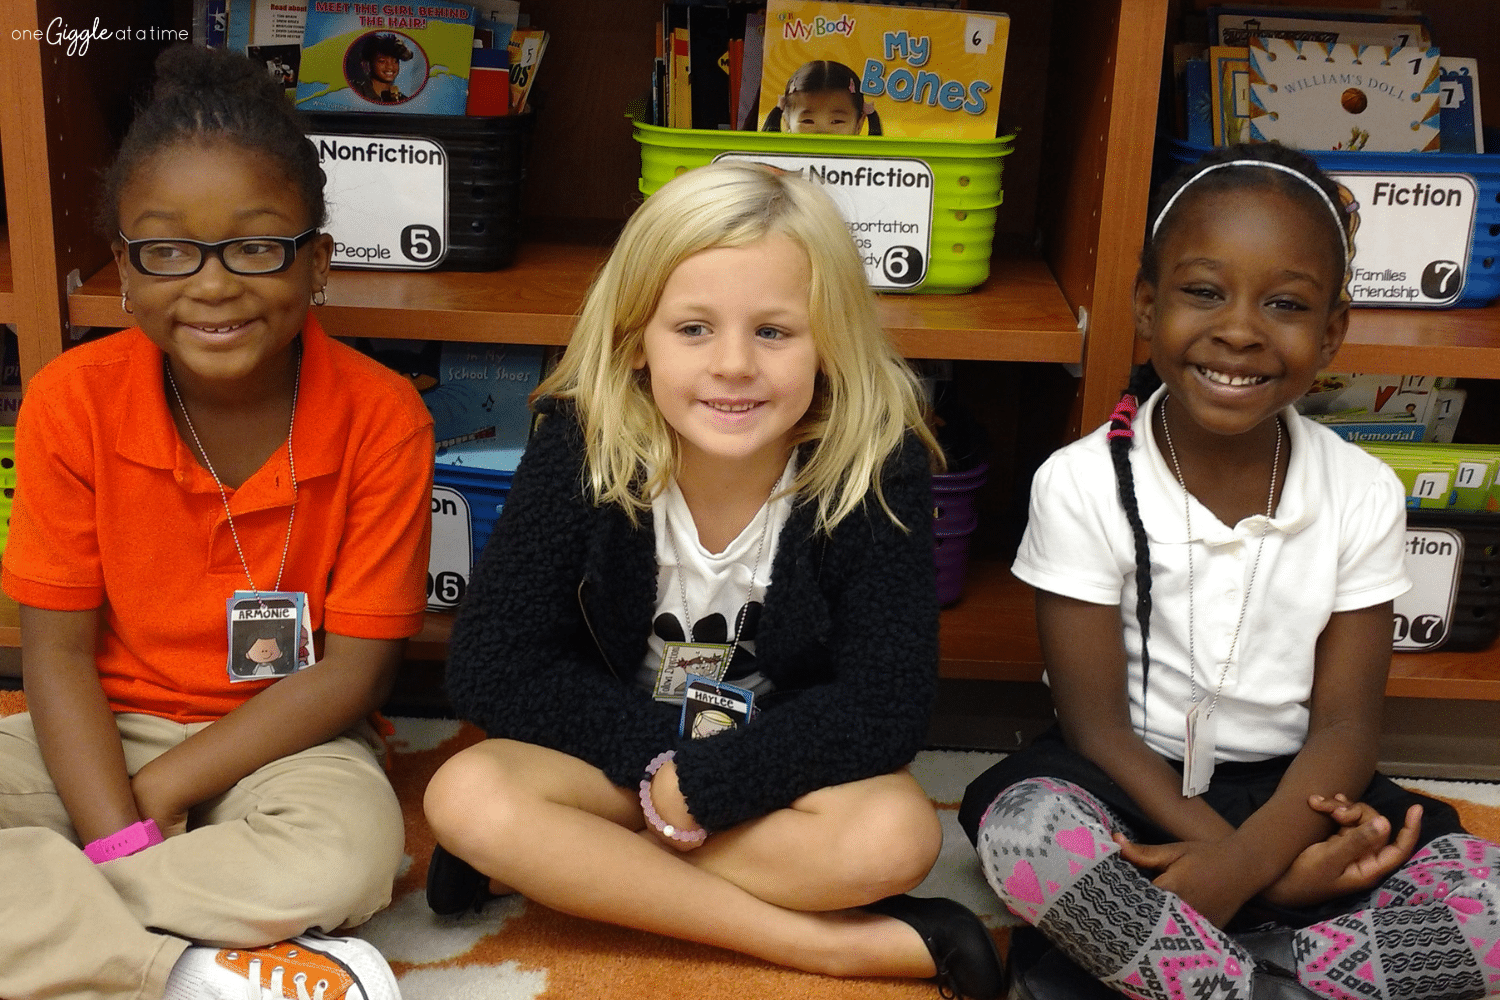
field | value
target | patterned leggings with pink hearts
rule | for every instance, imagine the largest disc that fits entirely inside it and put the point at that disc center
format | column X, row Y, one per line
column 1431, row 930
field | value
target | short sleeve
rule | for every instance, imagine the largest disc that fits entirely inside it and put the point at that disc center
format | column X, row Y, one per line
column 1372, row 557
column 52, row 557
column 1069, row 547
column 378, row 585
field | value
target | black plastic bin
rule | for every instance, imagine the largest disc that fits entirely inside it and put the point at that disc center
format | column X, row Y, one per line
column 486, row 169
column 1476, row 612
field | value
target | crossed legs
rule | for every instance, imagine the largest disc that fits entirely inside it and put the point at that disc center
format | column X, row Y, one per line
column 783, row 888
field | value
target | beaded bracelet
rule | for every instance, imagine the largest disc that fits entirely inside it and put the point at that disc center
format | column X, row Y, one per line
column 697, row 835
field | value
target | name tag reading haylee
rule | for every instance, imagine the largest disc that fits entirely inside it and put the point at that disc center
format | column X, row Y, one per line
column 268, row 635
column 710, row 707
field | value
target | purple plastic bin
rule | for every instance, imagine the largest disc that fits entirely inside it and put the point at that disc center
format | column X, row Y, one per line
column 955, row 516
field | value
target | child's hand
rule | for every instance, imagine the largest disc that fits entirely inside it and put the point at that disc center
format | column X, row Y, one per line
column 1198, row 872
column 1357, row 856
column 672, row 807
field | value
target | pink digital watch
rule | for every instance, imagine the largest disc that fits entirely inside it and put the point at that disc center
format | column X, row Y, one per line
column 123, row 843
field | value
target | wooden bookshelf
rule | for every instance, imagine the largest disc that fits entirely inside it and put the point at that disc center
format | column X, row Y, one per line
column 1449, row 342
column 1019, row 314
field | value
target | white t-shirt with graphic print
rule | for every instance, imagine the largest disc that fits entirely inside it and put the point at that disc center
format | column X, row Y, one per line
column 720, row 586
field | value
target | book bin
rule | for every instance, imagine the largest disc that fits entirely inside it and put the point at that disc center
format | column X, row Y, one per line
column 1476, row 609
column 486, row 169
column 965, row 187
column 1480, row 274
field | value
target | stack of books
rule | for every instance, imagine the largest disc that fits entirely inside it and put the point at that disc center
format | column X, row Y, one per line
column 404, row 57
column 1348, row 79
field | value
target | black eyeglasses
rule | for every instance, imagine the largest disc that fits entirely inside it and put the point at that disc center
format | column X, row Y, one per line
column 252, row 255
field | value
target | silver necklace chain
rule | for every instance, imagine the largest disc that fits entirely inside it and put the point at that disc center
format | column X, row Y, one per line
column 224, row 494
column 1187, row 516
column 739, row 621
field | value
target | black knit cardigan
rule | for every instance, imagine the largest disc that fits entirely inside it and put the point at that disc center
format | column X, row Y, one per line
column 547, row 642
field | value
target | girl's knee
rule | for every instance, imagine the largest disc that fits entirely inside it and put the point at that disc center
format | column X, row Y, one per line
column 891, row 843
column 470, row 788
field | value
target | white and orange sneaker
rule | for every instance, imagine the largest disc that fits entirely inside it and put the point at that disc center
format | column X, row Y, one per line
column 309, row 967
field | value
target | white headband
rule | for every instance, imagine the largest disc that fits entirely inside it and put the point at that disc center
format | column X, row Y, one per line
column 1338, row 217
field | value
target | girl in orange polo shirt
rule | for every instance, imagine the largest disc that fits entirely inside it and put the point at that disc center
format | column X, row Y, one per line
column 220, row 481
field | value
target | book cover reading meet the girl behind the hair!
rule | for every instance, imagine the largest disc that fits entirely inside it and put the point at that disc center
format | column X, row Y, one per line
column 409, row 58
column 926, row 73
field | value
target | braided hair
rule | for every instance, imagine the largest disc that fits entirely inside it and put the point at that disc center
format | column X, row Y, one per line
column 823, row 76
column 213, row 95
column 1143, row 382
column 1218, row 171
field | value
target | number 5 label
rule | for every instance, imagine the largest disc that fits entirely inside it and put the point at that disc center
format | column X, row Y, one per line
column 387, row 200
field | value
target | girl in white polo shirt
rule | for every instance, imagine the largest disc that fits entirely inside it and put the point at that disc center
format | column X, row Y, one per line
column 1214, row 580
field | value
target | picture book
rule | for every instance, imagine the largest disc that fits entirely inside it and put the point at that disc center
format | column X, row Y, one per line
column 408, row 58
column 1344, row 96
column 853, row 68
column 495, row 20
column 1400, row 407
column 708, row 66
column 1460, row 121
column 1229, row 93
column 480, row 414
column 1234, row 26
column 750, row 69
column 476, row 392
column 526, row 47
column 270, row 32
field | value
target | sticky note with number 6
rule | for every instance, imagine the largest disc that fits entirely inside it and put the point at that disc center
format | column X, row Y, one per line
column 387, row 200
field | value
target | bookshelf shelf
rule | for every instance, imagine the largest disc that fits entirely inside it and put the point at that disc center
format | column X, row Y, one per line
column 1448, row 342
column 1020, row 314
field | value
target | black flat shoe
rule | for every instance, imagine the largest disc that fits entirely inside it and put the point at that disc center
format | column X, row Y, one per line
column 454, row 886
column 1040, row 972
column 968, row 965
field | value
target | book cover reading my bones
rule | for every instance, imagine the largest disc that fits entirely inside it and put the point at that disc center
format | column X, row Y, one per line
column 863, row 69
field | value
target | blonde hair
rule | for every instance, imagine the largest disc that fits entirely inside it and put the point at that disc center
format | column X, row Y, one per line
column 865, row 398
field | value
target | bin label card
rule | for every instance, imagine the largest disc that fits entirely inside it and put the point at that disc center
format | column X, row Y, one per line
column 452, row 550
column 387, row 200
column 886, row 202
column 1416, row 232
column 1424, row 614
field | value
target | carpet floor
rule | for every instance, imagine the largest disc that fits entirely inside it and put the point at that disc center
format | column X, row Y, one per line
column 518, row 950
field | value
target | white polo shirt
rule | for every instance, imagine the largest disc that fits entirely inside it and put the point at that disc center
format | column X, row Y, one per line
column 1336, row 543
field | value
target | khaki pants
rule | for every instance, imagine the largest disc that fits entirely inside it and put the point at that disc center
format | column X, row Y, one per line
column 311, row 840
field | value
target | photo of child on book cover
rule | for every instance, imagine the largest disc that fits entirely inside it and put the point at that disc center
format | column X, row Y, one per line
column 373, row 66
column 410, row 58
column 823, row 98
column 864, row 69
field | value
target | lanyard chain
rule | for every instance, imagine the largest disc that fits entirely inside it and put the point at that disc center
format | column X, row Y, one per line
column 1245, row 604
column 224, row 495
column 739, row 621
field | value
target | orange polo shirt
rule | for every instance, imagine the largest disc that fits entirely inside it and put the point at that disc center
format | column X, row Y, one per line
column 112, row 511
